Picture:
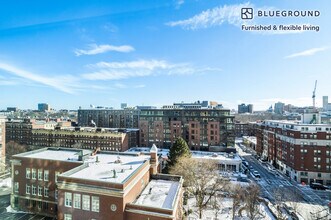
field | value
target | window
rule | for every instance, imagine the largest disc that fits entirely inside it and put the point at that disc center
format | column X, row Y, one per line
column 46, row 192
column 34, row 190
column 45, row 205
column 40, row 174
column 16, row 186
column 40, row 191
column 95, row 204
column 39, row 204
column 86, row 202
column 68, row 199
column 28, row 173
column 77, row 201
column 56, row 194
column 67, row 217
column 317, row 159
column 27, row 189
column 46, row 175
column 34, row 174
column 56, row 174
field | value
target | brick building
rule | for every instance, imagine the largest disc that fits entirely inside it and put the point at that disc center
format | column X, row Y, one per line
column 80, row 184
column 242, row 129
column 302, row 151
column 58, row 133
column 201, row 128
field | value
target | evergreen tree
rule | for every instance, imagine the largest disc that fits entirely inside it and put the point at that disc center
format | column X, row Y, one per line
column 177, row 150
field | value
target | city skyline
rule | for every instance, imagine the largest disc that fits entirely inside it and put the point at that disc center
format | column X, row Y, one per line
column 77, row 54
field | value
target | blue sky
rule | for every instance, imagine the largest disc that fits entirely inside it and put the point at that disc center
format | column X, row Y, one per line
column 77, row 53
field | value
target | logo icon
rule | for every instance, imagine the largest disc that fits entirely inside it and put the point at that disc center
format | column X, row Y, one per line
column 247, row 13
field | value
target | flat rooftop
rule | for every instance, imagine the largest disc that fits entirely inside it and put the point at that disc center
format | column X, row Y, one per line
column 108, row 167
column 61, row 154
column 195, row 154
column 159, row 194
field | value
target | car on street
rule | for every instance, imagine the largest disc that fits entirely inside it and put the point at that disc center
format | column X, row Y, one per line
column 256, row 174
column 318, row 186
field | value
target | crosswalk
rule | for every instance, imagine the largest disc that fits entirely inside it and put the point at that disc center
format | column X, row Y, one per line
column 275, row 182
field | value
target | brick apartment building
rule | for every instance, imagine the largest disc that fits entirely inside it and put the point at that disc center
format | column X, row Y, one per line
column 302, row 151
column 81, row 184
column 55, row 134
column 201, row 124
column 201, row 128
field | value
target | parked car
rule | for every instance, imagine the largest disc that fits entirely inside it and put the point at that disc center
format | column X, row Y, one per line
column 256, row 174
column 318, row 186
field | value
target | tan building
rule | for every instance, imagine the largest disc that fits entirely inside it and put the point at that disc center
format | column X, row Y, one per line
column 80, row 184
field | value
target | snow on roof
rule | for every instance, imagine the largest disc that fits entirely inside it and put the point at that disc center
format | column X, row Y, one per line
column 221, row 156
column 159, row 194
column 195, row 154
column 62, row 154
column 111, row 167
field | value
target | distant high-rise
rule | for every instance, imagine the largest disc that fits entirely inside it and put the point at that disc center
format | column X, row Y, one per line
column 279, row 108
column 243, row 108
column 12, row 109
column 326, row 104
column 43, row 107
column 124, row 105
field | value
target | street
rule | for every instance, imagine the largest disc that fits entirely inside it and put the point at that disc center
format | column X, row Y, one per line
column 273, row 181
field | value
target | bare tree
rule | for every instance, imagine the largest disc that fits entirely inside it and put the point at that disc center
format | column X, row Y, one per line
column 13, row 148
column 279, row 196
column 216, row 205
column 236, row 193
column 201, row 179
column 252, row 201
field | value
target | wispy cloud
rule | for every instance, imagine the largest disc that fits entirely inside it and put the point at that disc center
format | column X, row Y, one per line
column 178, row 3
column 97, row 49
column 120, row 86
column 140, row 68
column 124, row 86
column 139, row 86
column 213, row 17
column 229, row 14
column 309, row 52
column 56, row 83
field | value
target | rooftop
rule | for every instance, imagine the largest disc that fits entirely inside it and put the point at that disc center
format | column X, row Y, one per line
column 159, row 194
column 108, row 167
column 112, row 167
column 62, row 154
column 195, row 154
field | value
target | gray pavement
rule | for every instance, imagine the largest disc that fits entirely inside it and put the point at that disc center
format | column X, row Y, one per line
column 271, row 181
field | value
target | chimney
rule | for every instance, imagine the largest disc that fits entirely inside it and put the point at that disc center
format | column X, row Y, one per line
column 154, row 160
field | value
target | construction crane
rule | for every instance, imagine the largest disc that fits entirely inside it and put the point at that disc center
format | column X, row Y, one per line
column 314, row 92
